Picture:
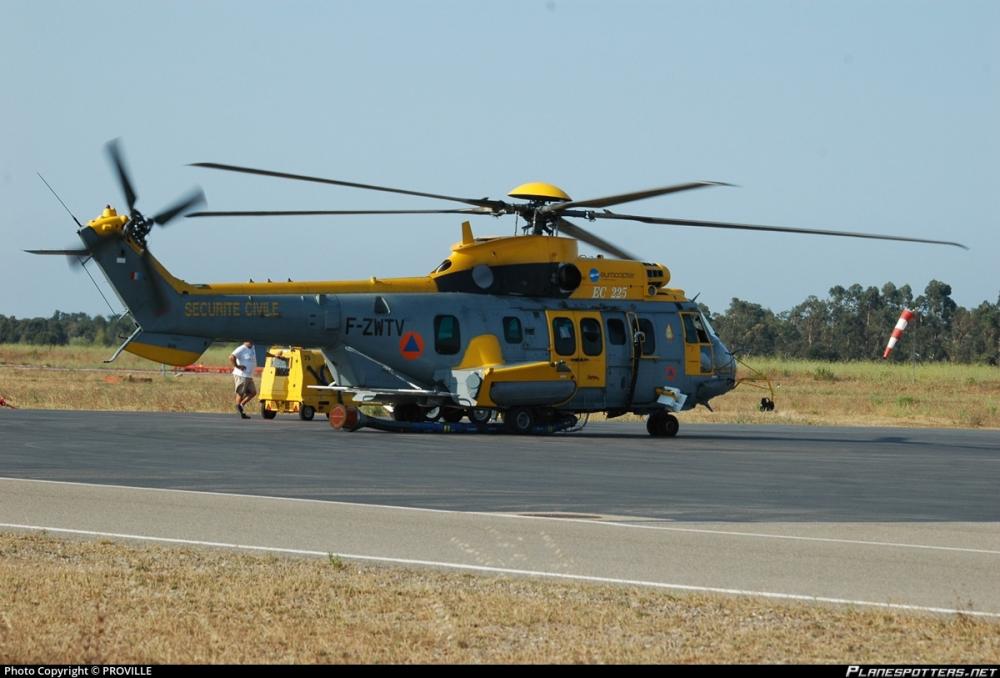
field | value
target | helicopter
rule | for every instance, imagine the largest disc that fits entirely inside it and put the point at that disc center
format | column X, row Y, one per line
column 522, row 330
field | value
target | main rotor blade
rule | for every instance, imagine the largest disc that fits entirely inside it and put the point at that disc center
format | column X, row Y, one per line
column 195, row 197
column 630, row 197
column 484, row 202
column 755, row 227
column 586, row 236
column 66, row 253
column 118, row 160
column 308, row 213
column 75, row 257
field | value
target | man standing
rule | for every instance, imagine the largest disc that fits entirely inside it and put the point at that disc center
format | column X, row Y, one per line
column 244, row 362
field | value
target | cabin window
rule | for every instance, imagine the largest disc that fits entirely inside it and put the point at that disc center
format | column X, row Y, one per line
column 447, row 336
column 616, row 331
column 381, row 307
column 590, row 336
column 649, row 340
column 512, row 332
column 563, row 336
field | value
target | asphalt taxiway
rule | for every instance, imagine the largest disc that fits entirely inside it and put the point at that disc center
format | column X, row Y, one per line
column 886, row 516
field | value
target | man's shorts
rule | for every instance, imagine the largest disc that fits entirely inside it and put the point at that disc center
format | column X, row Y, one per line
column 245, row 386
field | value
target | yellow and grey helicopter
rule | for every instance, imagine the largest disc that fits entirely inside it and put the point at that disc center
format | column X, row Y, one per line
column 521, row 326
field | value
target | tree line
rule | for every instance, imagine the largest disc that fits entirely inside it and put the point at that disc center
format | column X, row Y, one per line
column 65, row 328
column 853, row 323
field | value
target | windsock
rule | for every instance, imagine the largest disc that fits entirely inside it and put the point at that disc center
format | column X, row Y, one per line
column 904, row 319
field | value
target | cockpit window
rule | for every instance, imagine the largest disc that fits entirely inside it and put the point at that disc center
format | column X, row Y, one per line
column 648, row 336
column 694, row 329
column 443, row 266
column 699, row 326
column 708, row 325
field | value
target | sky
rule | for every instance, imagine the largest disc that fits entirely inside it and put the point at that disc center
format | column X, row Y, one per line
column 848, row 115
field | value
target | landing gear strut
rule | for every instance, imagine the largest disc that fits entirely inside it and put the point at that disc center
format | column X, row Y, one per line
column 662, row 425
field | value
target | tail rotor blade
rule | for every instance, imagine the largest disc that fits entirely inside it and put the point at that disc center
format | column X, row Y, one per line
column 192, row 199
column 118, row 160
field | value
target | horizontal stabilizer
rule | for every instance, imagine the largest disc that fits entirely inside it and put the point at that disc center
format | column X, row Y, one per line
column 169, row 349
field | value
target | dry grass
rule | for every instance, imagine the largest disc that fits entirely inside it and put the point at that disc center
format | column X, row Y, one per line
column 68, row 601
column 866, row 394
column 76, row 378
column 808, row 392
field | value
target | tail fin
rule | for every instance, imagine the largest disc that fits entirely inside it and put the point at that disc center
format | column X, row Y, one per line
column 146, row 288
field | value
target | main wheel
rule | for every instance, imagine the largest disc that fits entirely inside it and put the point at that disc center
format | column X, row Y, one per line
column 662, row 425
column 266, row 413
column 520, row 420
column 407, row 412
column 671, row 426
column 480, row 415
column 307, row 412
column 651, row 425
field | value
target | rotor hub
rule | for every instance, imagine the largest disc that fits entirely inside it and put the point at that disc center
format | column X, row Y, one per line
column 539, row 191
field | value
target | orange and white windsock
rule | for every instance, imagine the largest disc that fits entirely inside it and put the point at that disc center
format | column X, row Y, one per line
column 904, row 319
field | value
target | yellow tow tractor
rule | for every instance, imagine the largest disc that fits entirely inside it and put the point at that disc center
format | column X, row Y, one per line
column 284, row 383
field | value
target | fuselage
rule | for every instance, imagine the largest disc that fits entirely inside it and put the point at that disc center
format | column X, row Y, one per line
column 528, row 307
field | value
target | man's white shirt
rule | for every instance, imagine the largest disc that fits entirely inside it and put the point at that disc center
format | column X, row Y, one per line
column 247, row 357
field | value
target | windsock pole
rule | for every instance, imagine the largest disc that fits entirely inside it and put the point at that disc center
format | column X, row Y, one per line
column 904, row 319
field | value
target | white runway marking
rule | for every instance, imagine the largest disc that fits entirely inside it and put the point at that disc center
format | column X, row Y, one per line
column 605, row 523
column 764, row 535
column 511, row 571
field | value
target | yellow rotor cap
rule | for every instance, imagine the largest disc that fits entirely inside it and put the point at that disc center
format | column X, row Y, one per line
column 538, row 190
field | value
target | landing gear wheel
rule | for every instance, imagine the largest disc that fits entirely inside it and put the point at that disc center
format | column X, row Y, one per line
column 480, row 416
column 520, row 420
column 662, row 425
column 671, row 426
column 307, row 413
column 266, row 413
column 407, row 412
column 430, row 413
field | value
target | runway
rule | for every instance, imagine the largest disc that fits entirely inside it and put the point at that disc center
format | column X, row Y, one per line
column 904, row 517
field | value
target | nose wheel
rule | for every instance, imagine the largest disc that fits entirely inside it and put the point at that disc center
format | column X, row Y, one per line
column 660, row 424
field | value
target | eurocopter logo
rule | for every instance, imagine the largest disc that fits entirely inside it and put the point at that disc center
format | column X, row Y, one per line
column 595, row 275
